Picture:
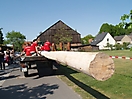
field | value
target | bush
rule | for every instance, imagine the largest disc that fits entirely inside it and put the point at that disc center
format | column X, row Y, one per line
column 131, row 49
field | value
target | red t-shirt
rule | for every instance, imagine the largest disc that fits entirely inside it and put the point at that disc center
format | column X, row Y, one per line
column 27, row 50
column 47, row 46
column 33, row 46
column 42, row 48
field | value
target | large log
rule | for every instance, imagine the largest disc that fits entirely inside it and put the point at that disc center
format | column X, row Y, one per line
column 98, row 65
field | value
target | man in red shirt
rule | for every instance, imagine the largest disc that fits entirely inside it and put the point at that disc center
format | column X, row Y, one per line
column 47, row 46
column 42, row 48
column 33, row 47
column 27, row 50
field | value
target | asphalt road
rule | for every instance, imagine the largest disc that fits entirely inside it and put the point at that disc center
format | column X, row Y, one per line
column 13, row 85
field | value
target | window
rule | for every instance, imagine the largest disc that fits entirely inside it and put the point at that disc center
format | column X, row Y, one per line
column 107, row 39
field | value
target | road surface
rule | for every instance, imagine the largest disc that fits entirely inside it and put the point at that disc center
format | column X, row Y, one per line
column 13, row 85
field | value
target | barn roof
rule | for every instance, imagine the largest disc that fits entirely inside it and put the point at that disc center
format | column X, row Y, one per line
column 58, row 25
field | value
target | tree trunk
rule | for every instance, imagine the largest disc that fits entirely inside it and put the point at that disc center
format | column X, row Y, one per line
column 97, row 65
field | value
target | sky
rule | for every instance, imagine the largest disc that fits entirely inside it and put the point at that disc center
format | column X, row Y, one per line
column 30, row 17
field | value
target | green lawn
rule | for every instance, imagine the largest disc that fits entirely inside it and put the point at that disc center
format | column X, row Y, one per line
column 119, row 86
column 127, row 53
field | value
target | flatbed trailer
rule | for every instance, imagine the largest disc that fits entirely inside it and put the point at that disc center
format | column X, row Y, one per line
column 44, row 65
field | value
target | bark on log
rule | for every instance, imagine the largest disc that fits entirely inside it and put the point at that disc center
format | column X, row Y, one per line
column 97, row 65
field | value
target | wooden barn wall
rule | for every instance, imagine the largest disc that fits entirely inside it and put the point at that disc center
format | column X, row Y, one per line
column 49, row 33
column 43, row 38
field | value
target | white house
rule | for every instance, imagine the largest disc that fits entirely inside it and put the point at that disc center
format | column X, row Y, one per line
column 102, row 40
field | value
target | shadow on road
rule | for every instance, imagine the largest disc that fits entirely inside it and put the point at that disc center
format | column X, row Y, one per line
column 33, row 74
column 64, row 70
column 3, row 73
column 9, row 77
column 23, row 92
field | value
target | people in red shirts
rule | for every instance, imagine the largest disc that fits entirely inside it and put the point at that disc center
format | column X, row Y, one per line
column 27, row 50
column 47, row 46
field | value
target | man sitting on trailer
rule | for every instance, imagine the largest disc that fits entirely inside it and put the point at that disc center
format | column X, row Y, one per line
column 46, row 46
column 33, row 48
column 27, row 49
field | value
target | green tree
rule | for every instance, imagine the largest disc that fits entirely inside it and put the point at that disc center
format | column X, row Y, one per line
column 109, row 46
column 108, row 28
column 16, row 39
column 124, row 27
column 104, row 28
column 118, row 46
column 62, row 35
column 1, row 36
column 113, row 30
column 125, row 44
column 119, row 30
column 126, row 20
column 128, row 31
column 85, row 40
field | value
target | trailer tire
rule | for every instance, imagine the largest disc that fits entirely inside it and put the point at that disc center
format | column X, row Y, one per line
column 26, row 74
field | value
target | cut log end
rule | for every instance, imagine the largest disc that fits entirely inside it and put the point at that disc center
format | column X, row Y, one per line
column 102, row 67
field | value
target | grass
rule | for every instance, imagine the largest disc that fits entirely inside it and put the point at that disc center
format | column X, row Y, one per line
column 117, row 87
column 127, row 53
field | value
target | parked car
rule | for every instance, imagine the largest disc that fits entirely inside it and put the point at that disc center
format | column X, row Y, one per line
column 129, row 46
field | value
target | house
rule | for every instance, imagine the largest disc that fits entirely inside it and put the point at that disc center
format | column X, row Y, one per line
column 123, row 38
column 50, row 33
column 130, row 36
column 102, row 40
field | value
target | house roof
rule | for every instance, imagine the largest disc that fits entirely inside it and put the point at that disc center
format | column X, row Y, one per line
column 119, row 38
column 99, row 38
column 130, row 36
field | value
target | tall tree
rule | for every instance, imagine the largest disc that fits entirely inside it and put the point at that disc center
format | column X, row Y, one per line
column 113, row 30
column 62, row 35
column 85, row 40
column 16, row 39
column 126, row 20
column 1, row 36
column 124, row 27
column 108, row 28
column 119, row 30
column 104, row 28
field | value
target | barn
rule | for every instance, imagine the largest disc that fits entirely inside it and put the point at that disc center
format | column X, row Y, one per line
column 53, row 33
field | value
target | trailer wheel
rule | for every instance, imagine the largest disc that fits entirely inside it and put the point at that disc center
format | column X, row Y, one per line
column 26, row 74
column 29, row 66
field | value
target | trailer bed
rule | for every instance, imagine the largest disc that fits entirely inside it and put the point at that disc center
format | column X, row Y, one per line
column 33, row 58
column 44, row 65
